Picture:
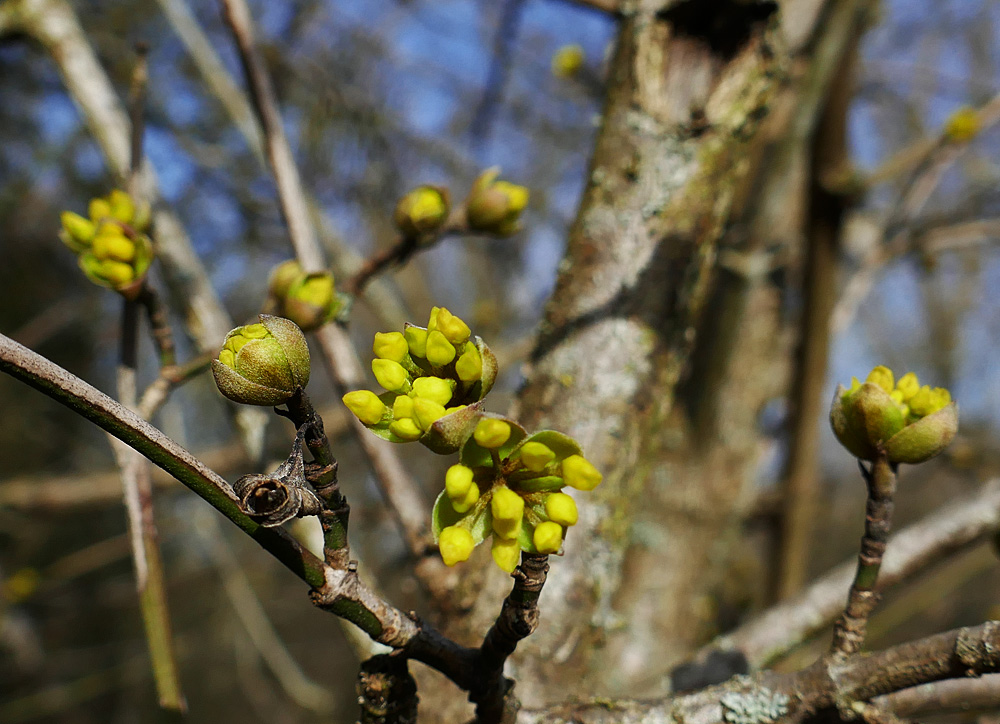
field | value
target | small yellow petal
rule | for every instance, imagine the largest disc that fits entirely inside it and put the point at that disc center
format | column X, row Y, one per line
column 508, row 511
column 908, row 385
column 416, row 340
column 402, row 407
column 456, row 545
column 457, row 481
column 491, row 433
column 561, row 509
column 548, row 537
column 435, row 389
column 390, row 375
column 427, row 412
column 454, row 329
column 469, row 367
column 506, row 553
column 391, row 346
column 882, row 376
column 406, row 429
column 579, row 473
column 365, row 404
column 535, row 456
column 439, row 350
column 465, row 504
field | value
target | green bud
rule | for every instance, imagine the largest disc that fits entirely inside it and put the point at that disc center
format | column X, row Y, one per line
column 262, row 364
column 311, row 301
column 494, row 206
column 282, row 277
column 78, row 232
column 421, row 211
column 910, row 425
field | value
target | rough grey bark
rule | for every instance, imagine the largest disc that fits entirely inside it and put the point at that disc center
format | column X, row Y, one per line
column 660, row 343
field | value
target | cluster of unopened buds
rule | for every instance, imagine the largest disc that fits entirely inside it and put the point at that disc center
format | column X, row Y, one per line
column 508, row 487
column 508, row 484
column 434, row 377
column 907, row 422
column 309, row 300
column 111, row 244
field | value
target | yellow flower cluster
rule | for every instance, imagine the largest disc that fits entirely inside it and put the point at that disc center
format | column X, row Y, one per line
column 309, row 300
column 427, row 373
column 517, row 502
column 906, row 422
column 110, row 243
column 914, row 401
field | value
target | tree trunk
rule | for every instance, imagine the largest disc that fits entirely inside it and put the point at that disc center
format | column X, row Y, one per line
column 662, row 339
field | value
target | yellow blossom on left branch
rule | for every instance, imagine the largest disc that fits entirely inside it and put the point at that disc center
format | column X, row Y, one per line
column 111, row 244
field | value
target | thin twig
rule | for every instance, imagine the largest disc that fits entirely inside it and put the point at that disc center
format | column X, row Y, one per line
column 958, row 527
column 159, row 324
column 410, row 508
column 956, row 696
column 517, row 620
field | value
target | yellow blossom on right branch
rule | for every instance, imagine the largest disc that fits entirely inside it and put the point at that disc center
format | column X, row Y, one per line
column 910, row 422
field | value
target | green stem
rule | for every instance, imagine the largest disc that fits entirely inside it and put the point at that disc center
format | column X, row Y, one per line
column 69, row 390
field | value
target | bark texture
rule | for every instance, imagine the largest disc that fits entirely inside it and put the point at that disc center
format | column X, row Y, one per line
column 662, row 339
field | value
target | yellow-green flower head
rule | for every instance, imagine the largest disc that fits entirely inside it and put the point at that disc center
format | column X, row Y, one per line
column 909, row 422
column 962, row 125
column 111, row 248
column 422, row 211
column 512, row 492
column 264, row 363
column 442, row 370
column 494, row 206
column 283, row 276
column 567, row 61
column 309, row 300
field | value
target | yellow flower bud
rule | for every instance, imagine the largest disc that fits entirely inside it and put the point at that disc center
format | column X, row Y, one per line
column 449, row 410
column 908, row 386
column 416, row 340
column 508, row 511
column 506, row 553
column 427, row 412
column 365, row 404
column 402, row 407
column 495, row 206
column 422, row 210
column 439, row 350
column 567, row 61
column 311, row 300
column 454, row 329
column 434, row 389
column 122, row 206
column 579, row 473
column 491, row 433
column 882, row 376
column 406, row 429
column 432, row 319
column 548, row 537
column 79, row 231
column 962, row 125
column 115, row 245
column 115, row 272
column 457, row 481
column 391, row 346
column 390, row 375
column 99, row 209
column 283, row 276
column 469, row 367
column 455, row 544
column 561, row 509
column 535, row 456
column 465, row 504
column 264, row 363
